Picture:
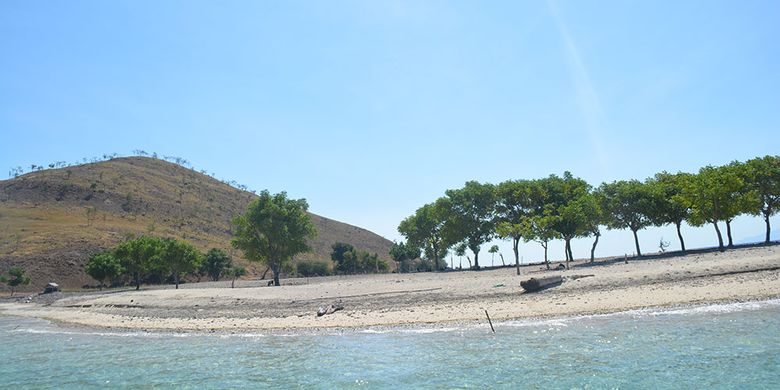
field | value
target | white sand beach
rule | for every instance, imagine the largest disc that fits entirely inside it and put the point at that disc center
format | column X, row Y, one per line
column 424, row 298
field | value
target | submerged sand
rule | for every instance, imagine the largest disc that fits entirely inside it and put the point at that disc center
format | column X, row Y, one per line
column 395, row 299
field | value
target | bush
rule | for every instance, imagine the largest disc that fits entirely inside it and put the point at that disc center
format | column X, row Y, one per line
column 313, row 268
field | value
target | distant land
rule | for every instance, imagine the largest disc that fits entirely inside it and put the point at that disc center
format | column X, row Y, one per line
column 52, row 221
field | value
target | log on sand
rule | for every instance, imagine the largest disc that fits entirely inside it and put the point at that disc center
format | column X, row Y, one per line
column 534, row 284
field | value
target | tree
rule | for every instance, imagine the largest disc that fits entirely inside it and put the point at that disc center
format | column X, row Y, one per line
column 570, row 210
column 273, row 230
column 741, row 199
column 178, row 258
column 235, row 273
column 670, row 207
column 216, row 263
column 139, row 257
column 17, row 277
column 345, row 257
column 628, row 205
column 708, row 194
column 426, row 230
column 762, row 174
column 471, row 216
column 402, row 254
column 493, row 250
column 103, row 266
column 514, row 207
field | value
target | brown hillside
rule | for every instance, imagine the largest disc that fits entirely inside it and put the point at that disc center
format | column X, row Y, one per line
column 51, row 221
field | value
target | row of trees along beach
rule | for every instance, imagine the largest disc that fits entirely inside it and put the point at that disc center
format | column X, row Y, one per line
column 567, row 207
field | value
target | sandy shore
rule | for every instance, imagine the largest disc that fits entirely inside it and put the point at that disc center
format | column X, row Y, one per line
column 379, row 300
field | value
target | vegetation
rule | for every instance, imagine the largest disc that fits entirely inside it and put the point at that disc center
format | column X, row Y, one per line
column 235, row 273
column 567, row 207
column 404, row 254
column 273, row 230
column 104, row 266
column 216, row 263
column 16, row 277
column 352, row 261
column 178, row 257
column 307, row 268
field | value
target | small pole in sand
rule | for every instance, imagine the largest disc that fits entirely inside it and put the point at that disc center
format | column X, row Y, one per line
column 490, row 322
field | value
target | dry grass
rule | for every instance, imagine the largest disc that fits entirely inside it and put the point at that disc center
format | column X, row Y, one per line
column 52, row 221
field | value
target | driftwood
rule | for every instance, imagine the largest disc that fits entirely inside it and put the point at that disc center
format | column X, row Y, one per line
column 534, row 284
column 329, row 309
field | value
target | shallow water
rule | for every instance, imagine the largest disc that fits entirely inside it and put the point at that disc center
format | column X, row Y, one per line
column 719, row 346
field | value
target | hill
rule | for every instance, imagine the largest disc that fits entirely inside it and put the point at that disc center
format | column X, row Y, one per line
column 52, row 220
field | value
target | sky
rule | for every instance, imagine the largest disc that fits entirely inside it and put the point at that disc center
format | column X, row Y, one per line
column 370, row 109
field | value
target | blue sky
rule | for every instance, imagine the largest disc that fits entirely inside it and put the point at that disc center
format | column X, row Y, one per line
column 371, row 109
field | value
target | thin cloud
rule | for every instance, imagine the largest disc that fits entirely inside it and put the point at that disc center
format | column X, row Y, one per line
column 587, row 97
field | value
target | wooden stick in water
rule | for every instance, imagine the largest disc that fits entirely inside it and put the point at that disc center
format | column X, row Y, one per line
column 490, row 322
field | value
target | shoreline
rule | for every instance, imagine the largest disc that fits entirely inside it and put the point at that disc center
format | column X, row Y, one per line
column 427, row 299
column 445, row 326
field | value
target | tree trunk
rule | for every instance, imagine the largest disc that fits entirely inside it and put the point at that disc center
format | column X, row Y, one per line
column 265, row 272
column 679, row 235
column 515, row 243
column 567, row 249
column 469, row 260
column 476, row 258
column 276, row 270
column 636, row 242
column 233, row 283
column 593, row 248
column 768, row 228
column 728, row 233
column 137, row 281
column 546, row 260
column 176, row 279
column 720, row 238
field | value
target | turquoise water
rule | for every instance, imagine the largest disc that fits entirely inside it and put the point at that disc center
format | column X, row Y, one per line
column 721, row 346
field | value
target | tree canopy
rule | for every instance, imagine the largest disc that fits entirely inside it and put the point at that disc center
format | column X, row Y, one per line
column 470, row 217
column 628, row 204
column 104, row 266
column 426, row 230
column 273, row 230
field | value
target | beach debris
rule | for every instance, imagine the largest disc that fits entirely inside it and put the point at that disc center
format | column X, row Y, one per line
column 534, row 284
column 323, row 310
column 499, row 285
column 560, row 267
column 489, row 321
column 51, row 288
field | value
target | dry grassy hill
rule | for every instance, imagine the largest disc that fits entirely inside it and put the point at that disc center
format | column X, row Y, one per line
column 51, row 221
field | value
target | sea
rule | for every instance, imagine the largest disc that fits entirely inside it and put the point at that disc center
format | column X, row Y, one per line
column 723, row 346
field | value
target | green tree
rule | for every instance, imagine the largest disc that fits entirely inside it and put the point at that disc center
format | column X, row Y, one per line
column 17, row 277
column 312, row 268
column 216, row 263
column 708, row 194
column 514, row 209
column 628, row 205
column 403, row 254
column 104, row 266
column 669, row 204
column 139, row 257
column 273, row 230
column 741, row 199
column 179, row 257
column 571, row 210
column 470, row 217
column 345, row 257
column 762, row 175
column 426, row 230
column 235, row 273
column 493, row 250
